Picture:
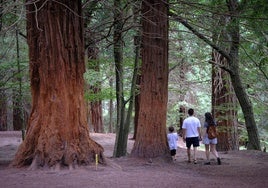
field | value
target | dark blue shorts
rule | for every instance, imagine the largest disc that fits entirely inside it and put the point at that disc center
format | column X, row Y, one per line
column 192, row 141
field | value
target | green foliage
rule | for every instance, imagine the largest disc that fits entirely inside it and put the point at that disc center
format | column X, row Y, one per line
column 190, row 77
column 103, row 94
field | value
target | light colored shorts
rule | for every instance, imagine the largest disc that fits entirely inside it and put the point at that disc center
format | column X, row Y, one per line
column 206, row 140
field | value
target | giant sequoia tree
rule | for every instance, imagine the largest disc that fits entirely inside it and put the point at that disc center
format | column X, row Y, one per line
column 151, row 138
column 57, row 133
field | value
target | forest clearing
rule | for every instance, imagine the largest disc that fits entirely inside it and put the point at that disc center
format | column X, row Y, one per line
column 243, row 168
column 96, row 84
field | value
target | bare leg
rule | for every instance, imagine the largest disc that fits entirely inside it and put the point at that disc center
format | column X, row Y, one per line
column 207, row 152
column 195, row 160
column 213, row 150
column 189, row 154
column 215, row 153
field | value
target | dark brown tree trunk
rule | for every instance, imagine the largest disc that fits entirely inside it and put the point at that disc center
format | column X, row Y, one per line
column 3, row 111
column 182, row 109
column 111, row 109
column 151, row 140
column 137, row 107
column 182, row 116
column 137, row 43
column 57, row 133
column 3, row 95
column 18, row 120
column 17, row 115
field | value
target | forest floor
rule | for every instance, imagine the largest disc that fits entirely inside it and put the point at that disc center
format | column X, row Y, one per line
column 239, row 169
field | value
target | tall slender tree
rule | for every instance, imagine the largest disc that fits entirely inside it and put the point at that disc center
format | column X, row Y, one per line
column 57, row 133
column 118, row 59
column 151, row 138
column 137, row 50
column 18, row 115
column 233, row 62
column 3, row 102
column 124, row 106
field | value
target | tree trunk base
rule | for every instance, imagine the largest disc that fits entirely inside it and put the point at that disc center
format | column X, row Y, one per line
column 79, row 154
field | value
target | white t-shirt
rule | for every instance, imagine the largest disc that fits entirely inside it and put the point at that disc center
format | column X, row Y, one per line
column 191, row 124
column 172, row 140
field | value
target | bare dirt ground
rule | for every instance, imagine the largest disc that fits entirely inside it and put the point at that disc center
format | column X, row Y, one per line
column 238, row 169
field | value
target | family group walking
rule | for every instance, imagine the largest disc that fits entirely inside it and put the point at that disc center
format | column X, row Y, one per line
column 191, row 134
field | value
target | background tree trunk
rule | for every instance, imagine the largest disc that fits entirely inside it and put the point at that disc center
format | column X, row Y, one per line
column 137, row 106
column 3, row 103
column 94, row 107
column 224, row 101
column 137, row 51
column 93, row 63
column 118, row 59
column 224, row 105
column 234, row 32
column 151, row 139
column 111, row 109
column 57, row 132
column 18, row 114
column 3, row 111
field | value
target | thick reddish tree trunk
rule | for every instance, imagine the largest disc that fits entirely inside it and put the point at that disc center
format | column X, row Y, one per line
column 151, row 136
column 224, row 106
column 57, row 132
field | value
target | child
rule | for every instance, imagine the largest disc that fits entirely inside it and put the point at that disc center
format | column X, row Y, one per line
column 172, row 142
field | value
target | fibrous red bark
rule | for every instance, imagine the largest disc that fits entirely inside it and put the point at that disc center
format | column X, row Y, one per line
column 151, row 138
column 57, row 132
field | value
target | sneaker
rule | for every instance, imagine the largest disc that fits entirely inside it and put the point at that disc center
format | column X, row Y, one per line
column 207, row 163
column 219, row 161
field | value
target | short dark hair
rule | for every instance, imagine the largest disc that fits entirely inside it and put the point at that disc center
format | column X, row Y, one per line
column 171, row 129
column 191, row 111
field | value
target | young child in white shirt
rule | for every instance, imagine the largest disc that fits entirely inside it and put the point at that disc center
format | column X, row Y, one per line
column 172, row 142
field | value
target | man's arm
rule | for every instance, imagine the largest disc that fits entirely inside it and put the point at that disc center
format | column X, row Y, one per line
column 199, row 132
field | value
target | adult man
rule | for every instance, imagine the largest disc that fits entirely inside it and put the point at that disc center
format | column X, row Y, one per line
column 191, row 133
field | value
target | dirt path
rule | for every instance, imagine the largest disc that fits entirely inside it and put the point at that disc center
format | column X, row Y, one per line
column 238, row 169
